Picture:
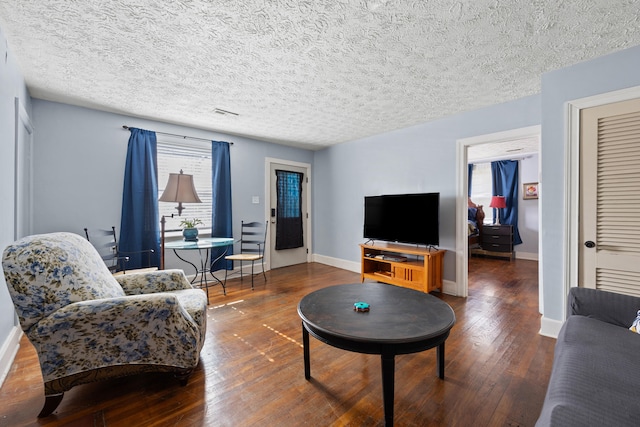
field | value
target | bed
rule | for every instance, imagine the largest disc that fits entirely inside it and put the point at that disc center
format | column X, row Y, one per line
column 475, row 219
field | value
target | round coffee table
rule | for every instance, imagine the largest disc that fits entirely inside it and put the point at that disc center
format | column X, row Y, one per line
column 400, row 321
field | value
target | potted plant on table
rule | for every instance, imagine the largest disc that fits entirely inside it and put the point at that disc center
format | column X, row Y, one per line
column 190, row 232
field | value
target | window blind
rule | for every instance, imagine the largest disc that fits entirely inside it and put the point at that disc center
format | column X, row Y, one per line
column 193, row 159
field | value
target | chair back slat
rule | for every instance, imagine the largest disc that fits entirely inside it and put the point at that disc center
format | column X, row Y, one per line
column 253, row 237
column 106, row 243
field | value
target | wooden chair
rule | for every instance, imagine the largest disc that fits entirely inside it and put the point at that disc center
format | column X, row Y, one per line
column 106, row 243
column 253, row 236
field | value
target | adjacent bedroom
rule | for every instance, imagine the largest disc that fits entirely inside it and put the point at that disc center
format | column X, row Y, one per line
column 503, row 196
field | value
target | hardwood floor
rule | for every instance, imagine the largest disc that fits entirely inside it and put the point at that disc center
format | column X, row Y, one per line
column 251, row 370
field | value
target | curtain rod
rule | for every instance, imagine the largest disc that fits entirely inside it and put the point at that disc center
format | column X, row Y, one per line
column 125, row 127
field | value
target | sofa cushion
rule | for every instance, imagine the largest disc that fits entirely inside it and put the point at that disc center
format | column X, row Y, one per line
column 611, row 307
column 595, row 380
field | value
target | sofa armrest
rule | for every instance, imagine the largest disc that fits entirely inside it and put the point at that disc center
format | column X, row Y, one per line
column 609, row 307
column 137, row 329
column 153, row 281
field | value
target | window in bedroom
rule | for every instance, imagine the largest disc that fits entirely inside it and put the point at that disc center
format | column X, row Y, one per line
column 193, row 158
column 481, row 189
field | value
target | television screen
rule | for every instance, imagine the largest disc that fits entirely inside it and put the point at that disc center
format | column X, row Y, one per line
column 403, row 218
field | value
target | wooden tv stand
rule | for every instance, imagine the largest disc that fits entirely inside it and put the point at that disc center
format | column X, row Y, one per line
column 407, row 266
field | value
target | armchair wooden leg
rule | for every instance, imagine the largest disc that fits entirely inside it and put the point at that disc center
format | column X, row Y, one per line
column 183, row 377
column 51, row 402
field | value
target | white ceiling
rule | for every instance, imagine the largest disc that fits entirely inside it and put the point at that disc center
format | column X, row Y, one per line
column 504, row 150
column 305, row 73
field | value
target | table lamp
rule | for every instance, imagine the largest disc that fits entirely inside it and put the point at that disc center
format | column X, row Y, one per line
column 498, row 202
column 179, row 189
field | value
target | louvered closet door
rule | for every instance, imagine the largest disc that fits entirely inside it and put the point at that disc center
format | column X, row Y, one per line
column 610, row 197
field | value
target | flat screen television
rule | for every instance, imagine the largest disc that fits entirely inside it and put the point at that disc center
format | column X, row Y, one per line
column 403, row 218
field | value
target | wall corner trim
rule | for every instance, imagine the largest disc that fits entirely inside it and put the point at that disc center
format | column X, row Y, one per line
column 8, row 352
column 550, row 327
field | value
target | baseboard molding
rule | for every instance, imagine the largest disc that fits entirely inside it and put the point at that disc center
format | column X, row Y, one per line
column 8, row 352
column 550, row 327
column 527, row 255
column 450, row 288
column 337, row 262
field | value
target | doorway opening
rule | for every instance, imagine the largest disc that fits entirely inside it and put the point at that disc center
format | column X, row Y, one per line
column 494, row 147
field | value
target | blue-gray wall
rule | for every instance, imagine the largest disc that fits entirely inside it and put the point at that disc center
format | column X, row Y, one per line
column 609, row 73
column 528, row 210
column 421, row 158
column 79, row 163
column 12, row 86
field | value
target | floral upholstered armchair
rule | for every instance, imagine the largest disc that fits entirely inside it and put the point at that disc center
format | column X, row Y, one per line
column 87, row 325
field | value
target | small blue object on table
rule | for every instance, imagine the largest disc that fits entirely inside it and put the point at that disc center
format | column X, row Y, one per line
column 361, row 306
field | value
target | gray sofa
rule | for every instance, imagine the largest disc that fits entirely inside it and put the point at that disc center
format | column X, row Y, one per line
column 595, row 379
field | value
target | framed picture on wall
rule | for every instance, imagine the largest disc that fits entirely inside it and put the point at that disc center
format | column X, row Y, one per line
column 530, row 190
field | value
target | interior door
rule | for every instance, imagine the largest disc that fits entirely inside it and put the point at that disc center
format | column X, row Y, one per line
column 290, row 256
column 609, row 229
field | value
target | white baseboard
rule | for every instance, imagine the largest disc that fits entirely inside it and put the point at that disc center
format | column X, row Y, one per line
column 337, row 262
column 550, row 327
column 527, row 255
column 449, row 288
column 8, row 352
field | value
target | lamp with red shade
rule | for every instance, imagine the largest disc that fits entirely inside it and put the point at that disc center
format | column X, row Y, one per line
column 498, row 202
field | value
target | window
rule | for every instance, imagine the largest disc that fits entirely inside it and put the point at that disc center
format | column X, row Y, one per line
column 482, row 189
column 193, row 158
column 289, row 229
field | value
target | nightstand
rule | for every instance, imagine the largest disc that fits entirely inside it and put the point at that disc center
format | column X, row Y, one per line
column 497, row 241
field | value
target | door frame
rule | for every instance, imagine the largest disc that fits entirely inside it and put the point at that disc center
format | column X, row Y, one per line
column 572, row 179
column 22, row 121
column 306, row 186
column 462, row 184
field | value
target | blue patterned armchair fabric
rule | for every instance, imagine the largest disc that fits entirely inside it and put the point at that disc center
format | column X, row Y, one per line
column 87, row 325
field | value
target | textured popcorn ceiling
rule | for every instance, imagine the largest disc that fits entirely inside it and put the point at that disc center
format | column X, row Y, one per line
column 305, row 73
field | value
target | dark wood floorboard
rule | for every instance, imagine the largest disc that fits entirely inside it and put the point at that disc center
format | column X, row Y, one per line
column 251, row 369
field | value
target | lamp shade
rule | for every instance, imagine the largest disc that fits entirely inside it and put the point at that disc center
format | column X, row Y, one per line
column 180, row 189
column 498, row 202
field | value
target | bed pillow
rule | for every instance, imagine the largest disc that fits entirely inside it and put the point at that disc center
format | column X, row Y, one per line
column 472, row 214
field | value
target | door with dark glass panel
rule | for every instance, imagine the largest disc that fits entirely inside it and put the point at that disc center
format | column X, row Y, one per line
column 288, row 215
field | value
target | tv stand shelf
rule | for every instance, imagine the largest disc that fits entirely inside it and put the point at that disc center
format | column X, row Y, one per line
column 406, row 266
